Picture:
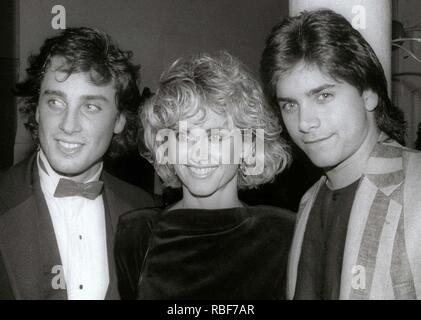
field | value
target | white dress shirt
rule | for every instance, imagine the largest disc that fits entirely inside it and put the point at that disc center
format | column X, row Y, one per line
column 79, row 227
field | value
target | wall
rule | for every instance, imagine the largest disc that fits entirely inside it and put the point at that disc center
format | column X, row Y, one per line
column 8, row 75
column 406, row 70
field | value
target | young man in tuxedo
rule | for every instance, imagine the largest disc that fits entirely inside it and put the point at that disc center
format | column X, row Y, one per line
column 59, row 208
column 357, row 230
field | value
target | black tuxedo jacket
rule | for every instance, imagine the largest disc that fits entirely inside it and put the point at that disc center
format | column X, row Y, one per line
column 28, row 247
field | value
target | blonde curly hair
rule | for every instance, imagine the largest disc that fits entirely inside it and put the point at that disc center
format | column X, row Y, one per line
column 222, row 84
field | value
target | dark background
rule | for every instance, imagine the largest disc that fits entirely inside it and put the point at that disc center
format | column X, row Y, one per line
column 8, row 73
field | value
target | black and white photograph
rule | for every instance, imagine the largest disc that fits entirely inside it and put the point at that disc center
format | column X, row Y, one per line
column 210, row 155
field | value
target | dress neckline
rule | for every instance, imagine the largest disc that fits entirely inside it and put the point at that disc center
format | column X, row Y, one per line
column 201, row 220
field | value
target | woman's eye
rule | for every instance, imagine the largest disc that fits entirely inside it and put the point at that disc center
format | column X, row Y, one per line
column 185, row 137
column 221, row 134
column 216, row 137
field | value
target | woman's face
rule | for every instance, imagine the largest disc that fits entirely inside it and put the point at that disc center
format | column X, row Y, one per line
column 208, row 163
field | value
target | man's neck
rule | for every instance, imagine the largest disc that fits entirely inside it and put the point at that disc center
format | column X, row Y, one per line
column 92, row 174
column 352, row 168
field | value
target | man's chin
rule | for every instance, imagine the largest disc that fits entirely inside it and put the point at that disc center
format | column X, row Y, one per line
column 70, row 168
column 69, row 172
column 325, row 164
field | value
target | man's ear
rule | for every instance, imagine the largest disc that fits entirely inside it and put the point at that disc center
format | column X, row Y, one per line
column 120, row 123
column 371, row 99
column 37, row 115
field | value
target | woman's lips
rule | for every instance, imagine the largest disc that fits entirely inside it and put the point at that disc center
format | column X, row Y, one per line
column 202, row 172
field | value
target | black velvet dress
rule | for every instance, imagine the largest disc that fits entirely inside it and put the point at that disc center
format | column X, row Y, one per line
column 237, row 253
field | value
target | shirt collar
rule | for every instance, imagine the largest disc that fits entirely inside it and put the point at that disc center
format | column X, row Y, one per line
column 50, row 178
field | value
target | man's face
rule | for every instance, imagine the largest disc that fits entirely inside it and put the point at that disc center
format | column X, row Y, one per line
column 327, row 119
column 77, row 120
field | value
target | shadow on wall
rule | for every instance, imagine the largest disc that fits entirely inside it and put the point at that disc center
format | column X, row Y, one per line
column 132, row 167
column 8, row 76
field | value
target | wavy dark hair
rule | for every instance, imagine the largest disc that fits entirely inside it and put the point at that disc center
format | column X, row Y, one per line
column 326, row 39
column 91, row 51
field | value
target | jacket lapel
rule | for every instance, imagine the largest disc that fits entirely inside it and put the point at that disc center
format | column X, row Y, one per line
column 297, row 241
column 21, row 251
column 27, row 239
column 53, row 281
column 412, row 221
column 114, row 207
column 374, row 221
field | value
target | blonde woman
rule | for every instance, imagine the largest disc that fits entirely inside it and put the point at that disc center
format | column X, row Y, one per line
column 207, row 130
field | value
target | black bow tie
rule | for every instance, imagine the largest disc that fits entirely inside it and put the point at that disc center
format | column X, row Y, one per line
column 70, row 188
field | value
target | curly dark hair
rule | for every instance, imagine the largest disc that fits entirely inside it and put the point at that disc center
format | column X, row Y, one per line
column 326, row 39
column 91, row 51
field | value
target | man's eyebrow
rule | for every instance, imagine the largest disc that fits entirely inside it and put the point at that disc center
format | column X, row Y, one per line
column 308, row 93
column 315, row 91
column 55, row 93
column 285, row 99
column 62, row 94
column 94, row 97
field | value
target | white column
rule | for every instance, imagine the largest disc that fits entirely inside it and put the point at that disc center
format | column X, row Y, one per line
column 373, row 18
